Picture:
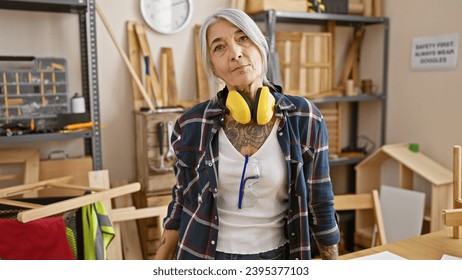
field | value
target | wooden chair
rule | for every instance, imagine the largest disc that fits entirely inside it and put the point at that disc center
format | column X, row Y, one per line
column 364, row 201
column 453, row 217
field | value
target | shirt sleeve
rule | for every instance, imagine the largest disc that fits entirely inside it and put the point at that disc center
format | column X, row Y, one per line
column 322, row 217
column 175, row 208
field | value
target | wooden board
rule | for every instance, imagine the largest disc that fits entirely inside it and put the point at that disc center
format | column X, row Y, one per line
column 257, row 6
column 146, row 51
column 19, row 166
column 134, row 56
column 171, row 86
column 332, row 116
column 202, row 84
column 351, row 65
column 78, row 168
column 131, row 245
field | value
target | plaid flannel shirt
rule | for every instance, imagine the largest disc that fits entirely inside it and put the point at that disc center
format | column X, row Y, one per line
column 302, row 135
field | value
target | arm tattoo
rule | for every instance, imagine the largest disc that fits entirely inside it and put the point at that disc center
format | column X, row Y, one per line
column 328, row 252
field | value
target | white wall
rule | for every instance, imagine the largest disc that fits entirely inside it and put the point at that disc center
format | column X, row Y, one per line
column 423, row 107
column 115, row 88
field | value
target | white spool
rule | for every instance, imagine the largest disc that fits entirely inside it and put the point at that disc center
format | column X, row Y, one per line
column 78, row 104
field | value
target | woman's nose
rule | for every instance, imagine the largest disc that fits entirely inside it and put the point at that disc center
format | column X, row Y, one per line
column 236, row 52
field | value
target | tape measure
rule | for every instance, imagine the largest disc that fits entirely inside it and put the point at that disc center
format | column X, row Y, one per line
column 316, row 6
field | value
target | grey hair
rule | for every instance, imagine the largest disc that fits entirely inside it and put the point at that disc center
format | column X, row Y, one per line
column 245, row 23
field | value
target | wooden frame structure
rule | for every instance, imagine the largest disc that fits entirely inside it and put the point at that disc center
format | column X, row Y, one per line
column 368, row 177
column 453, row 217
column 29, row 159
column 364, row 201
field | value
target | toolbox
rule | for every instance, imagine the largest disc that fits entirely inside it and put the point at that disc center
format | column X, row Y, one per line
column 33, row 91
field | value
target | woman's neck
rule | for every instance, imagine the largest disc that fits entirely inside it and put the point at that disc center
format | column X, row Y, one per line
column 249, row 90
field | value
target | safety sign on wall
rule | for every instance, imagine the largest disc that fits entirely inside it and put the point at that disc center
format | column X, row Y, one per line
column 435, row 52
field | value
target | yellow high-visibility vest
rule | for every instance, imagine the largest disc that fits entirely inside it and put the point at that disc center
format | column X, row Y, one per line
column 97, row 231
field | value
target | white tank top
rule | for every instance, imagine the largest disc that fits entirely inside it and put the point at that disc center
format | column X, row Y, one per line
column 258, row 226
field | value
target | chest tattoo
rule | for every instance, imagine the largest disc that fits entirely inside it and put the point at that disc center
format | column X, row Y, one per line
column 248, row 138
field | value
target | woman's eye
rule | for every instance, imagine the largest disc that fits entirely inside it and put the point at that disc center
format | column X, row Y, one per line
column 243, row 38
column 218, row 48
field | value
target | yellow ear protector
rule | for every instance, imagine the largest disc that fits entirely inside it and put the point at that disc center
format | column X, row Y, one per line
column 242, row 111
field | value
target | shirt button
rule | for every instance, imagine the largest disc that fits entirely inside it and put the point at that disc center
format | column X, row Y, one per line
column 280, row 133
column 296, row 258
column 213, row 242
column 216, row 217
column 210, row 164
column 293, row 234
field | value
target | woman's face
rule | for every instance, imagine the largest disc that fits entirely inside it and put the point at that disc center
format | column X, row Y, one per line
column 235, row 58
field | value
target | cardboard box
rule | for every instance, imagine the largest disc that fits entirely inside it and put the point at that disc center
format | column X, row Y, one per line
column 258, row 6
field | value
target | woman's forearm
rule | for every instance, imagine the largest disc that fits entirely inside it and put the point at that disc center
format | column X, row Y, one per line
column 167, row 247
column 328, row 252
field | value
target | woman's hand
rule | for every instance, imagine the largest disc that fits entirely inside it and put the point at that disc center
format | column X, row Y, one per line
column 167, row 247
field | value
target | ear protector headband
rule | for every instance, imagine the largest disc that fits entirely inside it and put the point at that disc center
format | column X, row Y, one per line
column 242, row 111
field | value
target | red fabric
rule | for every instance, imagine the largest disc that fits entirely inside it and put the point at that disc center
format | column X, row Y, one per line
column 43, row 239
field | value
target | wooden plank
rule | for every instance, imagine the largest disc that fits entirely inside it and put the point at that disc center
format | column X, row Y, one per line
column 99, row 179
column 353, row 201
column 29, row 159
column 131, row 244
column 457, row 186
column 377, row 8
column 452, row 217
column 78, row 168
column 18, row 190
column 420, row 164
column 76, row 202
column 352, row 54
column 171, row 79
column 331, row 28
column 146, row 51
column 19, row 203
column 406, row 177
column 202, row 84
column 164, row 77
column 143, row 213
column 135, row 60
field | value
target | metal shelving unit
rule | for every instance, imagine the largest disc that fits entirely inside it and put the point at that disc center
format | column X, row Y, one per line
column 85, row 9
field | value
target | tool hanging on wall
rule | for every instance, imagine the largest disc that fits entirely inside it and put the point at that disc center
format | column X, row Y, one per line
column 146, row 51
column 132, row 71
column 170, row 153
column 316, row 6
column 160, row 136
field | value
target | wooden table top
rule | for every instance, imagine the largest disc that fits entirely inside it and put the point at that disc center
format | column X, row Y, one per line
column 431, row 246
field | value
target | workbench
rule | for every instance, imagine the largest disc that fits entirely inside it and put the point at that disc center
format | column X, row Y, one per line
column 431, row 246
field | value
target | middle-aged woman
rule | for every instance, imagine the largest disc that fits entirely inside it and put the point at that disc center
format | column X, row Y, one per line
column 252, row 164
